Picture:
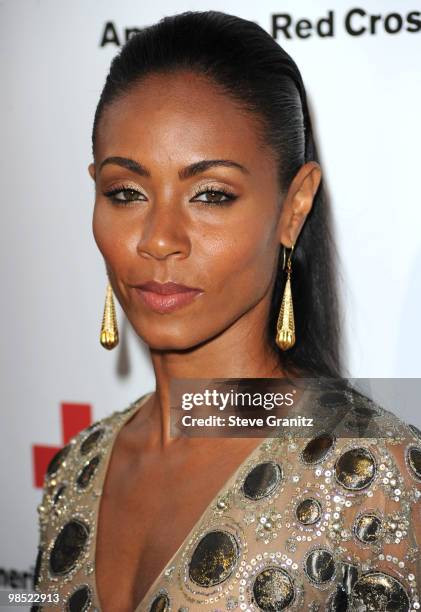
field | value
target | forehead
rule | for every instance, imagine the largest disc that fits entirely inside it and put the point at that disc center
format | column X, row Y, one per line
column 180, row 116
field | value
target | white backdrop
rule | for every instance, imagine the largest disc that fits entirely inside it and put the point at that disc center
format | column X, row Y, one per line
column 364, row 89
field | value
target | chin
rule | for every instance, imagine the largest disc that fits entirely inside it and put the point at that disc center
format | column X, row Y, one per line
column 175, row 339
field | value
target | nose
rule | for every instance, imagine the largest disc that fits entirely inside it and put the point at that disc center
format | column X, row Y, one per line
column 164, row 233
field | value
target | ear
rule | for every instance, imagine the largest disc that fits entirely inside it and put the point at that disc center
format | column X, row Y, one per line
column 91, row 170
column 298, row 202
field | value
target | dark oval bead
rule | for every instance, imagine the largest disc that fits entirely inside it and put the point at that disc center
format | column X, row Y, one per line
column 356, row 468
column 273, row 589
column 161, row 603
column 37, row 569
column 262, row 480
column 57, row 460
column 333, row 398
column 308, row 511
column 338, row 602
column 319, row 565
column 214, row 558
column 80, row 600
column 59, row 492
column 414, row 460
column 90, row 441
column 68, row 547
column 87, row 472
column 362, row 409
column 415, row 430
column 348, row 575
column 379, row 591
column 367, row 528
column 317, row 449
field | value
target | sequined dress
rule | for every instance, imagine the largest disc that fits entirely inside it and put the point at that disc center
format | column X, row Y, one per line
column 321, row 523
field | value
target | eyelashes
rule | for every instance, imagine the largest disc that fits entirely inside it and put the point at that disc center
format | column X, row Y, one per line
column 131, row 196
column 215, row 191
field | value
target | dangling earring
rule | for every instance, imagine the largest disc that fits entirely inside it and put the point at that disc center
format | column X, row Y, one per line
column 109, row 330
column 285, row 327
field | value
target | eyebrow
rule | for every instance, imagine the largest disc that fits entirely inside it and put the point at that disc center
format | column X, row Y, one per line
column 184, row 173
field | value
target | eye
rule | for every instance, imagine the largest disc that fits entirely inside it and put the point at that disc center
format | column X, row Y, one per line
column 124, row 195
column 215, row 196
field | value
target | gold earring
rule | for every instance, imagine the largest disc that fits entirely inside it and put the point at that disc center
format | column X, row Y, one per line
column 109, row 330
column 285, row 327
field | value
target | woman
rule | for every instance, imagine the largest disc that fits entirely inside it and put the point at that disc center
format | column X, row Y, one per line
column 207, row 176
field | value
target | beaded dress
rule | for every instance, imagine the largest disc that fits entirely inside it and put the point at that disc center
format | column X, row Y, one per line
column 320, row 523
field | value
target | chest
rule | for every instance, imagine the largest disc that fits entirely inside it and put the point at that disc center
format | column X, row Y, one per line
column 135, row 539
column 145, row 515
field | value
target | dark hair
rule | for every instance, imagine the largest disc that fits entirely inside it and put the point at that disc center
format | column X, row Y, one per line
column 252, row 68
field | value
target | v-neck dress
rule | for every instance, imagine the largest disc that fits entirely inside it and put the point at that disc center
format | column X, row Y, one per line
column 323, row 523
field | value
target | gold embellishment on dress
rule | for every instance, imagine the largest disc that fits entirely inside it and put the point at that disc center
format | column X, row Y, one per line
column 415, row 430
column 161, row 603
column 84, row 477
column 191, row 590
column 265, row 478
column 79, row 599
column 338, row 601
column 319, row 566
column 333, row 399
column 59, row 492
column 232, row 602
column 254, row 523
column 273, row 589
column 91, row 441
column 368, row 528
column 62, row 503
column 58, row 460
column 298, row 530
column 262, row 480
column 268, row 525
column 223, row 503
column 308, row 511
column 378, row 591
column 356, row 468
column 68, row 547
column 318, row 448
column 213, row 559
column 413, row 457
column 38, row 562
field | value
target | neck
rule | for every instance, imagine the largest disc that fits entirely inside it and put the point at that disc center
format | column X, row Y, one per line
column 241, row 351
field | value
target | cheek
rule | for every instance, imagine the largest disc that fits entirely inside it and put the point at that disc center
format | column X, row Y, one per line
column 109, row 235
column 98, row 229
column 241, row 262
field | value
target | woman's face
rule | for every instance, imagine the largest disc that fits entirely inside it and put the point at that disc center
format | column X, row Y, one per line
column 175, row 225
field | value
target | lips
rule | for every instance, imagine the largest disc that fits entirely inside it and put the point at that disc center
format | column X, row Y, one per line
column 168, row 288
column 166, row 297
